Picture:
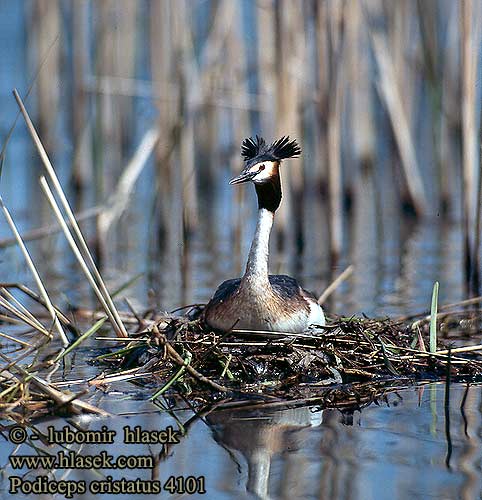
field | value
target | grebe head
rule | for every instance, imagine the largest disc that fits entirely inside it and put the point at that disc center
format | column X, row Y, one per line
column 259, row 173
column 262, row 161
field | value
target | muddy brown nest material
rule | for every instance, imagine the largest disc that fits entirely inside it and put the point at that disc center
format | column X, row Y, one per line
column 347, row 350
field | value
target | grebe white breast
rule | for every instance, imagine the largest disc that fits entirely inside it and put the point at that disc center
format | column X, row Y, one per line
column 259, row 301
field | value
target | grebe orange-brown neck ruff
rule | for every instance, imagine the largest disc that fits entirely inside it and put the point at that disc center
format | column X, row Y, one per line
column 259, row 301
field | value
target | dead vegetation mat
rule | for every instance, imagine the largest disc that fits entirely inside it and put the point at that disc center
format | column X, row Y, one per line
column 348, row 364
column 339, row 359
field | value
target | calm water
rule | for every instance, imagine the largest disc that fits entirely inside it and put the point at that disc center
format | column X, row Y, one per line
column 404, row 447
column 398, row 449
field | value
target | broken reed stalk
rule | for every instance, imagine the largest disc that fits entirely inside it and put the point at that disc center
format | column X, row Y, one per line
column 30, row 293
column 13, row 339
column 25, row 319
column 335, row 284
column 117, row 324
column 17, row 304
column 35, row 274
column 50, row 197
column 61, row 399
column 132, row 374
column 120, row 198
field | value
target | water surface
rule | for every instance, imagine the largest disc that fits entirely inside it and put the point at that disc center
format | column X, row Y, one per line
column 398, row 448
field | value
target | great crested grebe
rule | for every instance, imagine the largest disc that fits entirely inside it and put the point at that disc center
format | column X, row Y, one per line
column 259, row 301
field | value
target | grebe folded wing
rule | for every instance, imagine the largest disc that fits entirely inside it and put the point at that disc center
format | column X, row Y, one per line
column 225, row 290
column 285, row 286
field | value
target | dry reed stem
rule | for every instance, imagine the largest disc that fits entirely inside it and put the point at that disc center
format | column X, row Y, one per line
column 335, row 106
column 119, row 200
column 35, row 274
column 359, row 69
column 20, row 306
column 13, row 339
column 69, row 401
column 471, row 174
column 50, row 197
column 30, row 293
column 266, row 69
column 335, row 284
column 190, row 73
column 23, row 377
column 9, row 319
column 24, row 318
column 133, row 374
column 475, row 278
column 390, row 92
column 118, row 325
column 17, row 304
column 49, row 230
column 46, row 21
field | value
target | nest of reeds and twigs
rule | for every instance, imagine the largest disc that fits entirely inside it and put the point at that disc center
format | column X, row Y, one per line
column 347, row 364
column 186, row 355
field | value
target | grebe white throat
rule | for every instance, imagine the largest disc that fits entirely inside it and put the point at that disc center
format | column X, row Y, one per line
column 257, row 265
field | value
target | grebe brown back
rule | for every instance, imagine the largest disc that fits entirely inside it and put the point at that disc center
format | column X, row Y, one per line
column 259, row 301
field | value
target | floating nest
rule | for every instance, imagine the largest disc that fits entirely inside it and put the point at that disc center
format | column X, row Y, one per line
column 348, row 360
column 347, row 364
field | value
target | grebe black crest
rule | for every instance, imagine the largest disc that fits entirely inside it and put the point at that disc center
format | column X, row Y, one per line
column 258, row 300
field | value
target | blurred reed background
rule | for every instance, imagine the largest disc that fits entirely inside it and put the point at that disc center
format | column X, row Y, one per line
column 143, row 104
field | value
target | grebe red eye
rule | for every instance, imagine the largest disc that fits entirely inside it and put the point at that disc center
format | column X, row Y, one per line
column 261, row 167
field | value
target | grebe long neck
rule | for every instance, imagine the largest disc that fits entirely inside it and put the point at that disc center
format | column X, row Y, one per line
column 269, row 199
column 257, row 266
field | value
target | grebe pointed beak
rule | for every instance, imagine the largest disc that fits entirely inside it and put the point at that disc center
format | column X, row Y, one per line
column 243, row 177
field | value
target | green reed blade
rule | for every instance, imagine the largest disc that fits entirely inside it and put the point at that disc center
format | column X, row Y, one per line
column 127, row 284
column 174, row 379
column 85, row 335
column 433, row 318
